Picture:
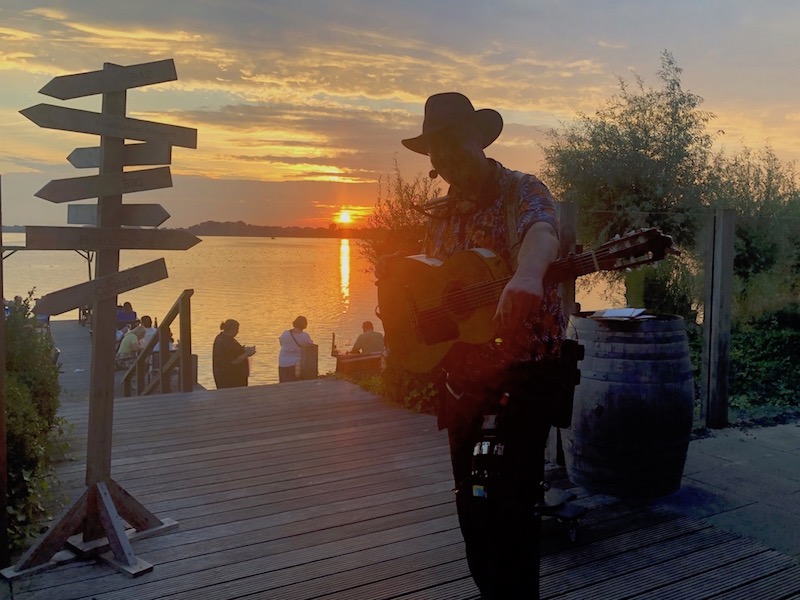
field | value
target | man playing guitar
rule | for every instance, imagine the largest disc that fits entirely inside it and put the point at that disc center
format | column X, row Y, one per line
column 515, row 375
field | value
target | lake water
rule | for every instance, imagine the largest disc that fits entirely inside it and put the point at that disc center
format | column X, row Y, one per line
column 263, row 283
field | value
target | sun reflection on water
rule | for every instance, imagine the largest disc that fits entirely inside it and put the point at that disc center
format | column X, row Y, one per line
column 344, row 272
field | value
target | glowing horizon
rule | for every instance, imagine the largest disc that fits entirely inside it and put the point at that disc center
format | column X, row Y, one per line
column 300, row 113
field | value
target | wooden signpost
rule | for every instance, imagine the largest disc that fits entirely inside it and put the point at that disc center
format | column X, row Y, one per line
column 93, row 186
column 107, row 238
column 133, row 215
column 111, row 79
column 109, row 125
column 147, row 153
column 88, row 293
column 105, row 516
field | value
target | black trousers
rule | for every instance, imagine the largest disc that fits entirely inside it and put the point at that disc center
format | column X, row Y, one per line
column 286, row 374
column 501, row 531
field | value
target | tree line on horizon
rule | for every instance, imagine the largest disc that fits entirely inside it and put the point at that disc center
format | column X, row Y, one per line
column 240, row 228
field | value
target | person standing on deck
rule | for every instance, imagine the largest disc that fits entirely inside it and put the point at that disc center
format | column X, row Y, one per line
column 292, row 340
column 229, row 358
column 515, row 375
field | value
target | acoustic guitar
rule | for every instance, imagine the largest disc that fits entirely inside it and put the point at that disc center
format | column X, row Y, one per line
column 427, row 305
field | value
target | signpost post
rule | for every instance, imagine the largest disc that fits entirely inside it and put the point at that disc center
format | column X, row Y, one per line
column 100, row 512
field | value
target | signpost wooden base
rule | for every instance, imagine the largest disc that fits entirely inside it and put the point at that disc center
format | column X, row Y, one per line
column 115, row 507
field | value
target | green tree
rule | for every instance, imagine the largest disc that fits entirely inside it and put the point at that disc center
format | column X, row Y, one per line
column 764, row 192
column 643, row 160
column 646, row 159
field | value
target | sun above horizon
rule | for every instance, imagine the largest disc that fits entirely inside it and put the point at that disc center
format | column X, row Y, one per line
column 344, row 217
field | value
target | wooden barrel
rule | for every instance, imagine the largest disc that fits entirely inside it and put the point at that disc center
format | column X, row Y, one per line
column 633, row 408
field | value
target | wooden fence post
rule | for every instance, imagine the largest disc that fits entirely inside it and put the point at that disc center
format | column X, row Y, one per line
column 568, row 215
column 717, row 318
column 4, row 550
column 568, row 235
column 186, row 372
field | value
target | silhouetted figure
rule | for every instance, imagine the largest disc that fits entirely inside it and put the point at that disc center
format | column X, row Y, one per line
column 229, row 358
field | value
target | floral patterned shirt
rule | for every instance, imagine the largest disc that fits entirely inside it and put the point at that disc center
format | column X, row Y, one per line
column 461, row 225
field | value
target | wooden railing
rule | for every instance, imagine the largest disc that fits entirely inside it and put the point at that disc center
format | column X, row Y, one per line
column 163, row 362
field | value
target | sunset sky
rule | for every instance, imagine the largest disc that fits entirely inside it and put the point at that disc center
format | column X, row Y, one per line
column 300, row 105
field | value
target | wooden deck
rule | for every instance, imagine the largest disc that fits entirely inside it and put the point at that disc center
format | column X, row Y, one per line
column 317, row 489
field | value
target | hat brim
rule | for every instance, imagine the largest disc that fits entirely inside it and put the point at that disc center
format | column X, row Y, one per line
column 488, row 121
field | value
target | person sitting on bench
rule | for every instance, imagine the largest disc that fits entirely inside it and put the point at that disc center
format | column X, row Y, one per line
column 369, row 342
column 129, row 347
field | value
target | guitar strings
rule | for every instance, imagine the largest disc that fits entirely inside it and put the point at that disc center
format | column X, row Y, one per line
column 480, row 293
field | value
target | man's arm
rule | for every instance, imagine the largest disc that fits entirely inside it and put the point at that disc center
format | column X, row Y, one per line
column 523, row 293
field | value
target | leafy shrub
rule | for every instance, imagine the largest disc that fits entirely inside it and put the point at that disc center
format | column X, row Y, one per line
column 29, row 354
column 764, row 354
column 33, row 428
column 27, row 488
column 418, row 392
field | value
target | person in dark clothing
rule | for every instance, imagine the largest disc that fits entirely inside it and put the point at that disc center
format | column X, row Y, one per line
column 126, row 316
column 229, row 357
column 512, row 379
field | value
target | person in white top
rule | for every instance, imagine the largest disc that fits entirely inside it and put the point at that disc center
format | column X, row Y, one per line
column 147, row 323
column 292, row 340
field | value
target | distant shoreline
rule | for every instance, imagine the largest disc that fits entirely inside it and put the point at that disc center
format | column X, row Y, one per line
column 240, row 229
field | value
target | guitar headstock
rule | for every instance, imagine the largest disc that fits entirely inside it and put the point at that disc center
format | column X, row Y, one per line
column 636, row 248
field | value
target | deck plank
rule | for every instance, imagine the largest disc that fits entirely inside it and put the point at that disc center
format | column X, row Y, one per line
column 318, row 489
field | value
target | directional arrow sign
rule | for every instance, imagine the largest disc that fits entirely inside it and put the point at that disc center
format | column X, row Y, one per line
column 113, row 79
column 135, row 215
column 96, row 238
column 109, row 184
column 149, row 153
column 84, row 121
column 90, row 292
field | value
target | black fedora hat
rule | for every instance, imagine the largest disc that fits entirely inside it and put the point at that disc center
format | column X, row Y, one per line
column 449, row 109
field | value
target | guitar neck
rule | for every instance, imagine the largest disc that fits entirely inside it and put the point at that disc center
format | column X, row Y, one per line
column 636, row 248
column 575, row 266
column 562, row 269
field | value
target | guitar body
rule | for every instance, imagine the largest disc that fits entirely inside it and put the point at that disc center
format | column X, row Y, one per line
column 427, row 305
